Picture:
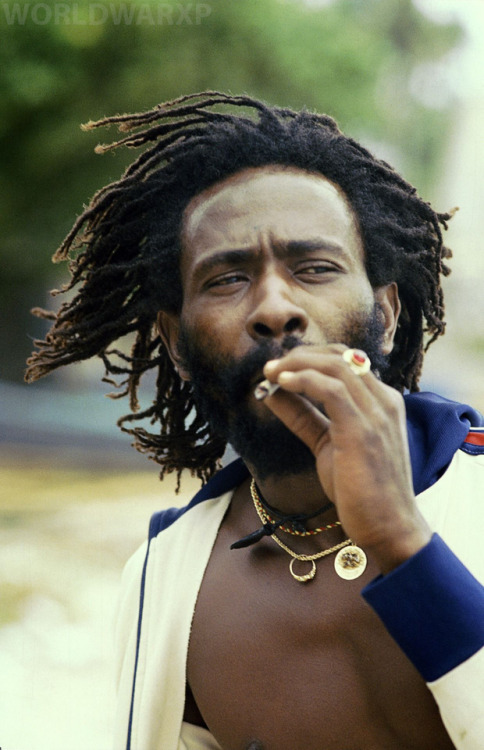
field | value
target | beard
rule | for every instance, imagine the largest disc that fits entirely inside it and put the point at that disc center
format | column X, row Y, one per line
column 221, row 388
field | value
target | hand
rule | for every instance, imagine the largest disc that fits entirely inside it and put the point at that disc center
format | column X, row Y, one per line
column 360, row 446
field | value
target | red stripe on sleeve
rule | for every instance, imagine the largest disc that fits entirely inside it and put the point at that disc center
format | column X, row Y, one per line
column 475, row 438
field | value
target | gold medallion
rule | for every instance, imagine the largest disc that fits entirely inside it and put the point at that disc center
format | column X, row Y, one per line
column 350, row 562
column 308, row 577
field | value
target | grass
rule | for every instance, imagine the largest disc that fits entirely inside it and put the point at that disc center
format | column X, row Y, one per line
column 13, row 596
column 37, row 488
column 51, row 514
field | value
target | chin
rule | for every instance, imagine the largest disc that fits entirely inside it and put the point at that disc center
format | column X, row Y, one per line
column 268, row 447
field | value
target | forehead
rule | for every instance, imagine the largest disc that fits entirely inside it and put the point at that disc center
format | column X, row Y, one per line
column 284, row 203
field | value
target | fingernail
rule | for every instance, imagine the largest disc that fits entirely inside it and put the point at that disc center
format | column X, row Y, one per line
column 285, row 377
column 271, row 364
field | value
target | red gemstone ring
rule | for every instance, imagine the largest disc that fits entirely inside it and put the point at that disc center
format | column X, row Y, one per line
column 358, row 361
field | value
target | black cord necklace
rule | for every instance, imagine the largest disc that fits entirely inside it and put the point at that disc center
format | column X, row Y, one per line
column 297, row 520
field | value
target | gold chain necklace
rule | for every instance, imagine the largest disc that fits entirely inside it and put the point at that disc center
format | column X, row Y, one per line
column 350, row 562
column 265, row 517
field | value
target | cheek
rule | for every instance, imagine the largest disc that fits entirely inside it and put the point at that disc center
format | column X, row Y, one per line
column 211, row 327
column 359, row 297
column 336, row 317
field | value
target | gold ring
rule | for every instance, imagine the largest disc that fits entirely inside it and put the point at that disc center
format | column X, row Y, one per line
column 309, row 576
column 358, row 361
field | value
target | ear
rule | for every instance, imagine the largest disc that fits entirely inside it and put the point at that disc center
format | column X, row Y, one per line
column 390, row 306
column 169, row 330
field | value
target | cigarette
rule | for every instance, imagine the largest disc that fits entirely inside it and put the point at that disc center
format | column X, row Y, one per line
column 265, row 388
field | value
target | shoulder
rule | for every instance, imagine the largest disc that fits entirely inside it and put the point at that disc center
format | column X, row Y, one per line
column 454, row 507
column 225, row 481
column 437, row 429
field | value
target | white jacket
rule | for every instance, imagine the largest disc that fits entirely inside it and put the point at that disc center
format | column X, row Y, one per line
column 161, row 583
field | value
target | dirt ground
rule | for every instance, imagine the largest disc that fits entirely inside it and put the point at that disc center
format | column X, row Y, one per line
column 64, row 538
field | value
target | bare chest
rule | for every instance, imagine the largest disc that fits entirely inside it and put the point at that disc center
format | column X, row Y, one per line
column 301, row 666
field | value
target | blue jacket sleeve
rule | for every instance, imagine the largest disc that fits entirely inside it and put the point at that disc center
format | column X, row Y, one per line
column 433, row 607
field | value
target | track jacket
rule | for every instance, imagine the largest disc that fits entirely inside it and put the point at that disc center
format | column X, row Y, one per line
column 432, row 605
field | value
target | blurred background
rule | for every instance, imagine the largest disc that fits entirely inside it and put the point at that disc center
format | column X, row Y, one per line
column 402, row 76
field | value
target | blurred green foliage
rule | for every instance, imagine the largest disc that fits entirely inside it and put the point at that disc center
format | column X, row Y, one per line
column 62, row 63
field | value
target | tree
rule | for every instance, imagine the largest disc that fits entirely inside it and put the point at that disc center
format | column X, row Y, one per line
column 64, row 63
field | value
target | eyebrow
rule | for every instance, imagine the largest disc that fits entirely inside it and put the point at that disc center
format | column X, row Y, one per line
column 288, row 249
column 299, row 247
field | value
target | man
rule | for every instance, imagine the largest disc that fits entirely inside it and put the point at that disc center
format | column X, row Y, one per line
column 321, row 592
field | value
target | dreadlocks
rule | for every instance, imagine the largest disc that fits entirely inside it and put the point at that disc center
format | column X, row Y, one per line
column 124, row 252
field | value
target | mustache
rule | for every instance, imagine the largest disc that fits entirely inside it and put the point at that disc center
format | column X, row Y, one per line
column 227, row 382
column 243, row 374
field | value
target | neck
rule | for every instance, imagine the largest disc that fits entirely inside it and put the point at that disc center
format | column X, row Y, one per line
column 295, row 493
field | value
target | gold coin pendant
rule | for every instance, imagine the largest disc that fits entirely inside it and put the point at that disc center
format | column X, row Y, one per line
column 350, row 562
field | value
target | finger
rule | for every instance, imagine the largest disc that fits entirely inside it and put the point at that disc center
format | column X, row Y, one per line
column 301, row 417
column 330, row 358
column 361, row 388
column 293, row 358
column 330, row 393
column 337, row 400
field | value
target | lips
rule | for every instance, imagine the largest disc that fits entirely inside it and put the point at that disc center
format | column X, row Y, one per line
column 259, row 385
column 256, row 380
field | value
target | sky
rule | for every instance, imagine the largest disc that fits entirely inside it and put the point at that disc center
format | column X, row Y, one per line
column 466, row 65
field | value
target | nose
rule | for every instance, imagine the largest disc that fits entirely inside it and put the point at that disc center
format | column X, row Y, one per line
column 275, row 312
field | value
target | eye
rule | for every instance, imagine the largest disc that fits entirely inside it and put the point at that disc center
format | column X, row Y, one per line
column 315, row 269
column 227, row 280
